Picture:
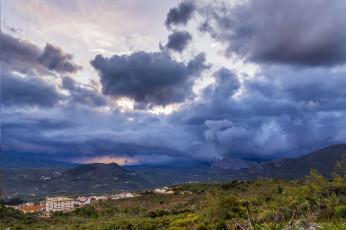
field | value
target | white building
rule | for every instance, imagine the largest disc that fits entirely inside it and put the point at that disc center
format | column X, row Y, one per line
column 160, row 190
column 82, row 200
column 60, row 203
column 124, row 195
column 98, row 198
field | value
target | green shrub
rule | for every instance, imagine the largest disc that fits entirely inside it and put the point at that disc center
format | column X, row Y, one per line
column 221, row 226
column 157, row 213
column 202, row 226
column 340, row 211
column 230, row 185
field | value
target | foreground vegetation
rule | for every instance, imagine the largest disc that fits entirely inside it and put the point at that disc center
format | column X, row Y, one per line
column 261, row 204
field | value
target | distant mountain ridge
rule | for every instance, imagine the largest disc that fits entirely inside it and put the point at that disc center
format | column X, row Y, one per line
column 323, row 160
column 111, row 178
column 229, row 164
column 17, row 162
column 91, row 178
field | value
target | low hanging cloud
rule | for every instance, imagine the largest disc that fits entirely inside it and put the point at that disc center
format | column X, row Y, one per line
column 308, row 33
column 150, row 78
column 180, row 15
column 178, row 41
column 54, row 58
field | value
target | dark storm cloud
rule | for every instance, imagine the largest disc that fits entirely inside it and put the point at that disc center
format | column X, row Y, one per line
column 75, row 137
column 24, row 66
column 178, row 40
column 19, row 55
column 28, row 91
column 272, row 118
column 12, row 48
column 297, row 32
column 82, row 95
column 38, row 124
column 281, row 111
column 23, row 56
column 226, row 84
column 198, row 64
column 54, row 58
column 181, row 14
column 151, row 78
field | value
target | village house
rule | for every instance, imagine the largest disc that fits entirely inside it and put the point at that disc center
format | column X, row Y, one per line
column 98, row 198
column 160, row 190
column 124, row 195
column 31, row 209
column 60, row 203
column 80, row 201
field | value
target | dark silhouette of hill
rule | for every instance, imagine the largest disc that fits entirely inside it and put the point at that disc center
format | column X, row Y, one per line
column 17, row 162
column 98, row 169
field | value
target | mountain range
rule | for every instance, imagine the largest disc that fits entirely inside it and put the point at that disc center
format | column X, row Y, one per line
column 111, row 178
column 230, row 164
column 323, row 160
column 19, row 162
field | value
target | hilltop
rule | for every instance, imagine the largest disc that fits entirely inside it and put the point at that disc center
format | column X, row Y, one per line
column 85, row 179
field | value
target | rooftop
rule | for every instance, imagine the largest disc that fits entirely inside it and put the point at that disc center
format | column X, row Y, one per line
column 33, row 208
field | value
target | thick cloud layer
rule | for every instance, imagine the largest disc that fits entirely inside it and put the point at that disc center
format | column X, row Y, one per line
column 26, row 57
column 21, row 54
column 297, row 32
column 82, row 95
column 181, row 14
column 12, row 48
column 178, row 40
column 24, row 81
column 280, row 112
column 226, row 84
column 151, row 78
column 29, row 91
column 293, row 104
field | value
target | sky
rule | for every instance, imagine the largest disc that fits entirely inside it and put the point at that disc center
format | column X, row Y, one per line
column 161, row 82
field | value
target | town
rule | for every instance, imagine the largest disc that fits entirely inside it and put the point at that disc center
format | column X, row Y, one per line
column 65, row 204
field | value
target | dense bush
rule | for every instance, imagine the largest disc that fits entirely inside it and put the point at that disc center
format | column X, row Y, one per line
column 340, row 211
column 157, row 213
